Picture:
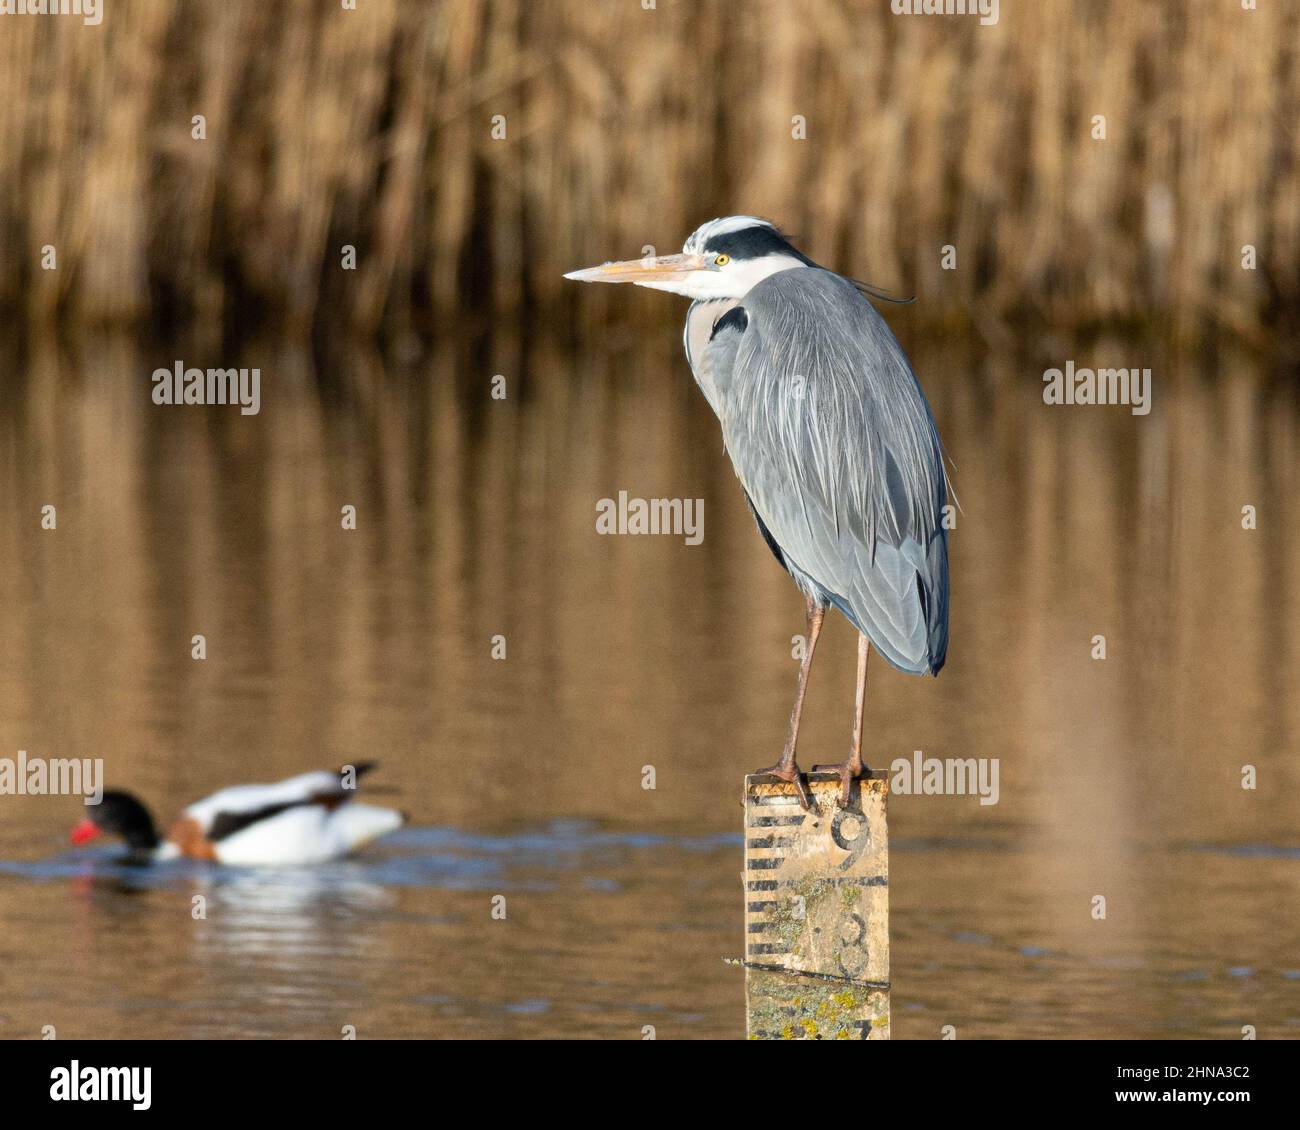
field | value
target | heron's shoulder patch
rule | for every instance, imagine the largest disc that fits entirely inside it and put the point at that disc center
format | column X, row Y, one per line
column 735, row 318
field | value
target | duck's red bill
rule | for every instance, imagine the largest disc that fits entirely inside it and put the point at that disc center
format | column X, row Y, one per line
column 84, row 832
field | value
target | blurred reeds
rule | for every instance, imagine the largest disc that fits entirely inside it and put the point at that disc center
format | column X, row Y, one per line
column 624, row 126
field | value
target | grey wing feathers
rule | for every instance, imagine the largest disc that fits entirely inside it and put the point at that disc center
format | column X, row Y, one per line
column 838, row 453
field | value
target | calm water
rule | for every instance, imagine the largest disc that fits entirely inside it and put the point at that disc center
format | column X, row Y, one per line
column 523, row 775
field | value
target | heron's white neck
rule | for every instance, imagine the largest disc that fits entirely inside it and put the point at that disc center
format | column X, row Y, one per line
column 734, row 281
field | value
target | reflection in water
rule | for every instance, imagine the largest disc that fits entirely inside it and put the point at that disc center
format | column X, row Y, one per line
column 1119, row 777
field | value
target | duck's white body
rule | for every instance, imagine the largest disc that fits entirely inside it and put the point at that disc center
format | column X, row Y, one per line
column 305, row 819
column 308, row 835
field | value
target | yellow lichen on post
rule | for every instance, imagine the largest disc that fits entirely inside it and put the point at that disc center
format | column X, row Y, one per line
column 816, row 911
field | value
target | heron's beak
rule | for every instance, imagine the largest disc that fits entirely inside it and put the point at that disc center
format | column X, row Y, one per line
column 644, row 272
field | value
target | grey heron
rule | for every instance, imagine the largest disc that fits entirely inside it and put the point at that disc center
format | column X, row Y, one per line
column 832, row 440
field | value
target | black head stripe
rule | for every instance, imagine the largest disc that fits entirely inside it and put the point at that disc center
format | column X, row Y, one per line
column 753, row 243
column 735, row 318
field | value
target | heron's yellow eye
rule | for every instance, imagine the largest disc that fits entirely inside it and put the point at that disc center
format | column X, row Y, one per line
column 721, row 260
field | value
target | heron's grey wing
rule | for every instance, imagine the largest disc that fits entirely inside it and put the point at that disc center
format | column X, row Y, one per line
column 836, row 448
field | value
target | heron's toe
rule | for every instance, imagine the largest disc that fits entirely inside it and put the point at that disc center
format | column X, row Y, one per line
column 793, row 775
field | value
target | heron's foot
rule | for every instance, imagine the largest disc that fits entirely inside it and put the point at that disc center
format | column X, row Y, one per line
column 790, row 772
column 849, row 771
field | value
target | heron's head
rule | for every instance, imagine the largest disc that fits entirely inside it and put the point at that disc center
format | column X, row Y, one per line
column 724, row 258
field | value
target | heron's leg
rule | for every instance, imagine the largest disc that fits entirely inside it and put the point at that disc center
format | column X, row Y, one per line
column 787, row 769
column 853, row 768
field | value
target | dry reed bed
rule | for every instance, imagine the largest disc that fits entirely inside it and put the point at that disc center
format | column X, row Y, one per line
column 627, row 126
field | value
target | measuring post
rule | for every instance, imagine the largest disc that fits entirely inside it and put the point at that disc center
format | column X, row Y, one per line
column 816, row 911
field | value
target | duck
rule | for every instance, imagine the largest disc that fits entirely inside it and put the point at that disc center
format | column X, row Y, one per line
column 310, row 818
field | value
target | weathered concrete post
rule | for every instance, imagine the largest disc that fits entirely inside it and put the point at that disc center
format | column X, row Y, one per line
column 816, row 911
